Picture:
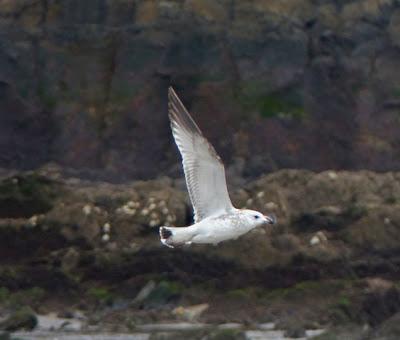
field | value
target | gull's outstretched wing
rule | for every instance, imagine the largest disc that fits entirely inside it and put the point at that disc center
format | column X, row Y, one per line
column 204, row 171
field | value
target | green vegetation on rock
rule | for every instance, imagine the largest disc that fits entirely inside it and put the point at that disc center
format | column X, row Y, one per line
column 309, row 288
column 287, row 103
column 32, row 297
column 100, row 295
column 163, row 293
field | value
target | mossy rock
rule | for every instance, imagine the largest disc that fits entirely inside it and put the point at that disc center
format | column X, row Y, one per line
column 27, row 195
column 165, row 292
column 24, row 318
column 287, row 103
column 101, row 295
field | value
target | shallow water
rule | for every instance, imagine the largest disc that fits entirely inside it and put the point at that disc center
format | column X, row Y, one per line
column 263, row 332
column 51, row 327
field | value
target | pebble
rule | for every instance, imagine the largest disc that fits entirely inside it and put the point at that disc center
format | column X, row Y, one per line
column 322, row 236
column 87, row 209
column 314, row 240
column 33, row 221
column 270, row 206
column 190, row 313
column 107, row 227
column 129, row 211
column 318, row 238
column 332, row 175
column 131, row 204
column 153, row 223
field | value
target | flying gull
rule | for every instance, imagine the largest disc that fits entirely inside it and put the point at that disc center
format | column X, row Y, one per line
column 215, row 218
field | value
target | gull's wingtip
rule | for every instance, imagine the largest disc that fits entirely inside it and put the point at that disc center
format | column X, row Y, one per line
column 171, row 91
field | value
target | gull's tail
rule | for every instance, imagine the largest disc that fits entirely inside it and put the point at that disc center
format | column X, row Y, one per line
column 171, row 236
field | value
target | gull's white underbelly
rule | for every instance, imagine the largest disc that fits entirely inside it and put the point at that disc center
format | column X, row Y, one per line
column 215, row 230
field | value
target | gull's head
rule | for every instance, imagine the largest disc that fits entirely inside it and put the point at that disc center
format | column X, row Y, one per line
column 258, row 219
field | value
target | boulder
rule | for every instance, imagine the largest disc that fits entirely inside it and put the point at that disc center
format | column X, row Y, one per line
column 388, row 330
column 23, row 319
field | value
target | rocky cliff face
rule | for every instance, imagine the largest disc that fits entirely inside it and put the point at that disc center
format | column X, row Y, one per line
column 279, row 83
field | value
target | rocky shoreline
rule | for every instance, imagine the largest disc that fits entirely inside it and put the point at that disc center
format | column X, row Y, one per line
column 90, row 250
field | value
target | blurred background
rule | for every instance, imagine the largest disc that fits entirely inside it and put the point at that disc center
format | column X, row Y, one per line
column 301, row 99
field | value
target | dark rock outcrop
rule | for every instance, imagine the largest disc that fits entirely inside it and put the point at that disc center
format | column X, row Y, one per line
column 110, row 232
column 26, row 196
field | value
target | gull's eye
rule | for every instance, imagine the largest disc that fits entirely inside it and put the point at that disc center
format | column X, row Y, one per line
column 256, row 217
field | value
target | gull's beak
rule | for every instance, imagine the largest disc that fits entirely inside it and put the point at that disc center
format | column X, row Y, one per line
column 271, row 219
